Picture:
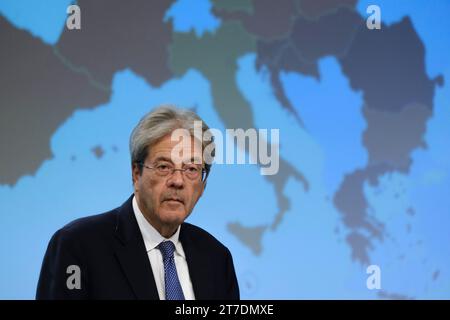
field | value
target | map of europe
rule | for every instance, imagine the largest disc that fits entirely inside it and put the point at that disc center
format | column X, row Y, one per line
column 364, row 120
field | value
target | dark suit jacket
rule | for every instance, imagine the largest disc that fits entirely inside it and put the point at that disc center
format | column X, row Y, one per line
column 110, row 252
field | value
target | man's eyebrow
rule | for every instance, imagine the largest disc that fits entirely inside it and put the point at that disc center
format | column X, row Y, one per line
column 162, row 158
column 165, row 158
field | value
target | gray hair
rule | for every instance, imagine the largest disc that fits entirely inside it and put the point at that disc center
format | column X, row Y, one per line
column 160, row 122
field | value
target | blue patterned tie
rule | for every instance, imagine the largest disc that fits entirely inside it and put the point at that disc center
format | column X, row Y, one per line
column 173, row 286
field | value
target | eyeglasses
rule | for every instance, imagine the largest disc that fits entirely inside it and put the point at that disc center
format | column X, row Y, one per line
column 190, row 171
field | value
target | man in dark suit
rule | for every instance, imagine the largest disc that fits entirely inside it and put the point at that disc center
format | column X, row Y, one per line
column 144, row 249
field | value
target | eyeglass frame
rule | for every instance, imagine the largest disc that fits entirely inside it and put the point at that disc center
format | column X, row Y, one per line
column 204, row 174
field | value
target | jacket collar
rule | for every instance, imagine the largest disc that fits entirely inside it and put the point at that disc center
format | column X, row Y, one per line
column 132, row 255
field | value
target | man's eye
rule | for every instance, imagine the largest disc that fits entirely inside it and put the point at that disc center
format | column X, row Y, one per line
column 192, row 169
column 162, row 167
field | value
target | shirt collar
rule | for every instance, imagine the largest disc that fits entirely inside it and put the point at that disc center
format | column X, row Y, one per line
column 152, row 238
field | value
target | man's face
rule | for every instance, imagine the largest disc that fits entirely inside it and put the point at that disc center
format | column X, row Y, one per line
column 166, row 201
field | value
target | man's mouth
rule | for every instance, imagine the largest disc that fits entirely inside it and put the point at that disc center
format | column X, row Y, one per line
column 174, row 199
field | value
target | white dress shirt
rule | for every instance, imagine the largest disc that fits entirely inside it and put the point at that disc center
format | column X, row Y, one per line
column 152, row 238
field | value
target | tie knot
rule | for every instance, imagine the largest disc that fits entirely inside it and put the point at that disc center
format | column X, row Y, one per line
column 167, row 248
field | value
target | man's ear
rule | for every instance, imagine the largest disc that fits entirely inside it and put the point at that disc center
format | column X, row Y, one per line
column 135, row 172
column 202, row 190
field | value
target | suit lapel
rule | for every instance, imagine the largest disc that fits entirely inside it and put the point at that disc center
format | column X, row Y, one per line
column 197, row 261
column 132, row 255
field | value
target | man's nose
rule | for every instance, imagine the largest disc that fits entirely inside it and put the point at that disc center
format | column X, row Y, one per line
column 176, row 179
